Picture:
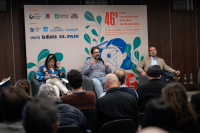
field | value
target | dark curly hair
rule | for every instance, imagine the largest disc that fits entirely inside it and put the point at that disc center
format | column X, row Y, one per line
column 49, row 57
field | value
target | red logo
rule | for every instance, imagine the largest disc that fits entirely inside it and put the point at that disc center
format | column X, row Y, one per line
column 131, row 81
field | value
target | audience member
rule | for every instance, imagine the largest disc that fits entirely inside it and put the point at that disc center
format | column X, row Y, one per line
column 175, row 94
column 195, row 98
column 114, row 105
column 150, row 90
column 12, row 101
column 96, row 70
column 6, row 84
column 79, row 98
column 26, row 86
column 40, row 115
column 159, row 113
column 121, row 75
column 69, row 115
column 153, row 130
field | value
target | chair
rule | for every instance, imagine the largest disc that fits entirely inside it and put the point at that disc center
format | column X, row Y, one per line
column 87, row 85
column 69, row 129
column 143, row 79
column 89, row 115
column 198, row 120
column 119, row 126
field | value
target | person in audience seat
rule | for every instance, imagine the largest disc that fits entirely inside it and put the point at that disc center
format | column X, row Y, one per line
column 121, row 75
column 175, row 94
column 79, row 98
column 150, row 90
column 25, row 85
column 12, row 101
column 69, row 115
column 159, row 113
column 40, row 115
column 114, row 105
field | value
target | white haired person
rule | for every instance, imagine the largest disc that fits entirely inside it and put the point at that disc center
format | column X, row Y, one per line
column 69, row 115
column 51, row 73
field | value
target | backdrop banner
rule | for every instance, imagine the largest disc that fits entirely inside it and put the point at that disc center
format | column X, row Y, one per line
column 69, row 31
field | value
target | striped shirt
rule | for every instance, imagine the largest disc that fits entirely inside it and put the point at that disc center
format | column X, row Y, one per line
column 96, row 70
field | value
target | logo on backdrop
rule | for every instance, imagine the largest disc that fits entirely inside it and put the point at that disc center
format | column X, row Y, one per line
column 34, row 37
column 71, row 29
column 74, row 15
column 49, row 37
column 57, row 16
column 56, row 29
column 72, row 36
column 47, row 16
column 45, row 29
column 36, row 29
column 31, row 29
column 34, row 16
column 62, row 36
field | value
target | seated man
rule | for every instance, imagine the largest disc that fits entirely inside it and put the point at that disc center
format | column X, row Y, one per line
column 114, row 105
column 159, row 63
column 12, row 101
column 150, row 90
column 40, row 116
column 96, row 70
column 121, row 75
column 69, row 115
column 80, row 99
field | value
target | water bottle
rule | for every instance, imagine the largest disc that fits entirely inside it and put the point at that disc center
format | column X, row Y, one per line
column 191, row 78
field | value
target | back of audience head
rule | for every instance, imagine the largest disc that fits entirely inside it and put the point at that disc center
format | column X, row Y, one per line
column 111, row 81
column 75, row 79
column 12, row 101
column 121, row 75
column 48, row 91
column 174, row 93
column 153, row 73
column 25, row 85
column 40, row 115
column 159, row 113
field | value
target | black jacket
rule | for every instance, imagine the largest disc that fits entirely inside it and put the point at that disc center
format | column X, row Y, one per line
column 114, row 105
column 149, row 91
column 195, row 101
column 69, row 115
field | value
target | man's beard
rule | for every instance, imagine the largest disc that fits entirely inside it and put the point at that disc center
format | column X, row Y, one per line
column 96, row 57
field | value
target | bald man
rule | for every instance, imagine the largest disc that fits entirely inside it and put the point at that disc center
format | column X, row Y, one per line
column 114, row 105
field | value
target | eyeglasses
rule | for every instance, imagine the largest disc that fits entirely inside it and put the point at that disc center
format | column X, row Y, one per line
column 96, row 52
column 52, row 61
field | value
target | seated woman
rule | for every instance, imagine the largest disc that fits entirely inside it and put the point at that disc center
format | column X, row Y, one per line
column 26, row 86
column 51, row 73
column 174, row 93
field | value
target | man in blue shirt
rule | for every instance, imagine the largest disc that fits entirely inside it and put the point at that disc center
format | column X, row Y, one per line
column 96, row 70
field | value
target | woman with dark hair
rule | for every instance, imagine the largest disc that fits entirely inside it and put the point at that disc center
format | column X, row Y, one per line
column 50, row 73
column 159, row 113
column 175, row 94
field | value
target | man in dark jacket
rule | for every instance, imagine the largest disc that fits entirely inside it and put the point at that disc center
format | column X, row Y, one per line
column 150, row 90
column 114, row 105
column 69, row 115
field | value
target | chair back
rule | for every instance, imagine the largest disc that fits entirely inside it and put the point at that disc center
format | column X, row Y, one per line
column 69, row 129
column 89, row 115
column 119, row 126
column 198, row 120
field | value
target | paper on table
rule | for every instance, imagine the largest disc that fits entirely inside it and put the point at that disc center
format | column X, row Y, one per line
column 65, row 80
column 4, row 81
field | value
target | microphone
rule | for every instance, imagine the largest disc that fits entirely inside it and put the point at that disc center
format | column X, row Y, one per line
column 100, row 59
